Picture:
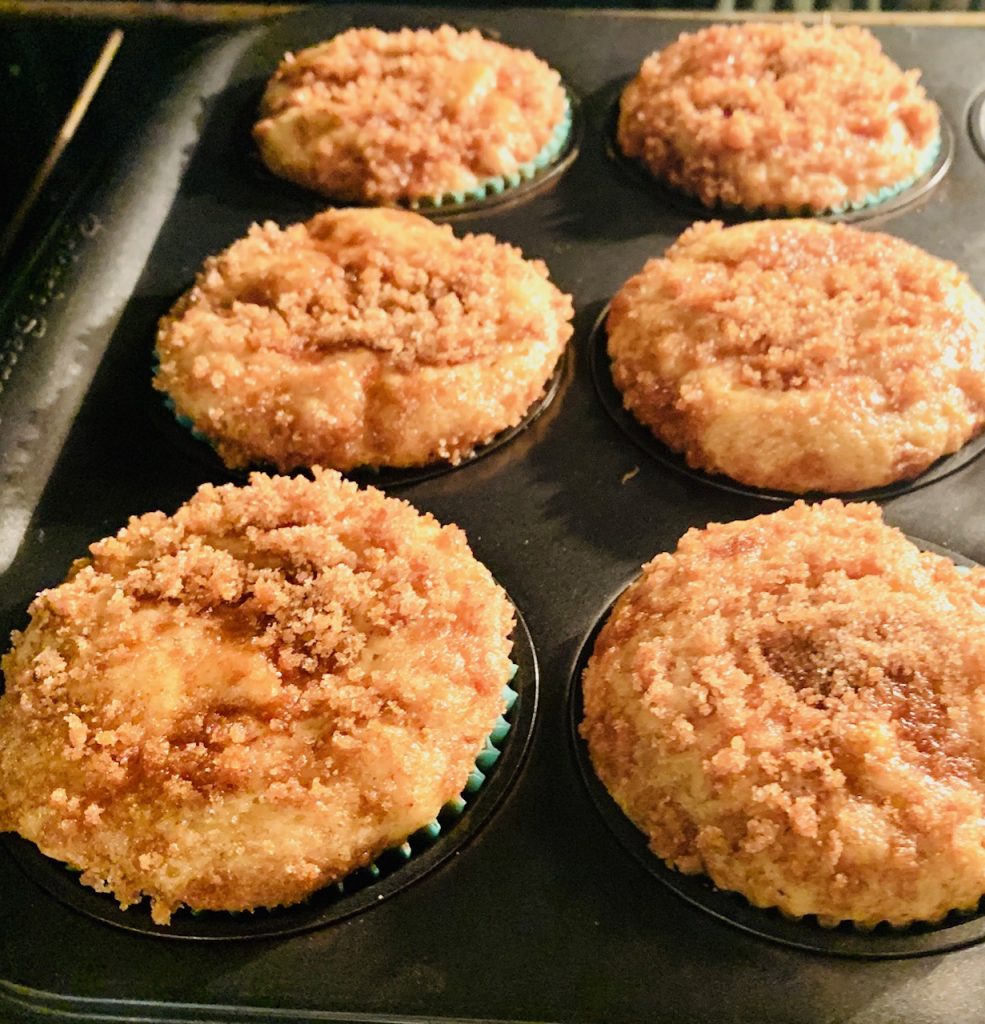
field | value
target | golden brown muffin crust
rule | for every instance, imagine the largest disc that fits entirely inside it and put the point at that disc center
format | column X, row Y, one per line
column 795, row 706
column 388, row 116
column 362, row 337
column 801, row 356
column 777, row 116
column 235, row 705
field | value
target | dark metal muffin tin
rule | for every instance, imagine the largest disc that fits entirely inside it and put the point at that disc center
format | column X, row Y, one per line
column 541, row 914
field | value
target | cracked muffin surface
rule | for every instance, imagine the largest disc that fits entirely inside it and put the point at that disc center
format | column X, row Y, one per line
column 360, row 338
column 387, row 117
column 233, row 706
column 795, row 706
column 779, row 117
column 801, row 356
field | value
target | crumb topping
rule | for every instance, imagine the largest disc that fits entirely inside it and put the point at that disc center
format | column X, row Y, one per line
column 801, row 355
column 794, row 706
column 387, row 116
column 235, row 705
column 319, row 341
column 777, row 116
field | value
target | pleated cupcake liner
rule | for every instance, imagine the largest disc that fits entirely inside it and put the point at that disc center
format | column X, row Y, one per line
column 873, row 199
column 925, row 163
column 186, row 421
column 374, row 475
column 501, row 183
column 846, row 926
column 392, row 858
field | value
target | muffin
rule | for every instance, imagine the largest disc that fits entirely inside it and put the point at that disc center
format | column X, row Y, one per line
column 235, row 705
column 416, row 117
column 794, row 706
column 779, row 117
column 360, row 338
column 801, row 356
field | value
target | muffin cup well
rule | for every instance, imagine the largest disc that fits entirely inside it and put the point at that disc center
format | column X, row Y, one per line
column 455, row 824
column 933, row 165
column 958, row 929
column 976, row 123
column 493, row 194
column 197, row 446
column 611, row 399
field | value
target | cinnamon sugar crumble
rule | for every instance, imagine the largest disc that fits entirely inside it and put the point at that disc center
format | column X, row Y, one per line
column 232, row 706
column 362, row 337
column 386, row 116
column 801, row 356
column 794, row 706
column 777, row 116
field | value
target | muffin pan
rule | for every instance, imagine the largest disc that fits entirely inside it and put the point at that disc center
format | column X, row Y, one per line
column 540, row 914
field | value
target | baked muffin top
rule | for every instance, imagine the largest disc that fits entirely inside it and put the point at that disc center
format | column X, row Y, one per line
column 779, row 117
column 362, row 337
column 385, row 117
column 801, row 356
column 794, row 705
column 235, row 705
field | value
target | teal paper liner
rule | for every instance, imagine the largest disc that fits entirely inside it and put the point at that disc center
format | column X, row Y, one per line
column 188, row 424
column 390, row 859
column 327, row 906
column 378, row 476
column 180, row 418
column 924, row 166
column 941, row 144
column 499, row 184
column 184, row 421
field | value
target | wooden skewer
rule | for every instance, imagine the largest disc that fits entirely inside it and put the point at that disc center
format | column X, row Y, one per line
column 77, row 111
